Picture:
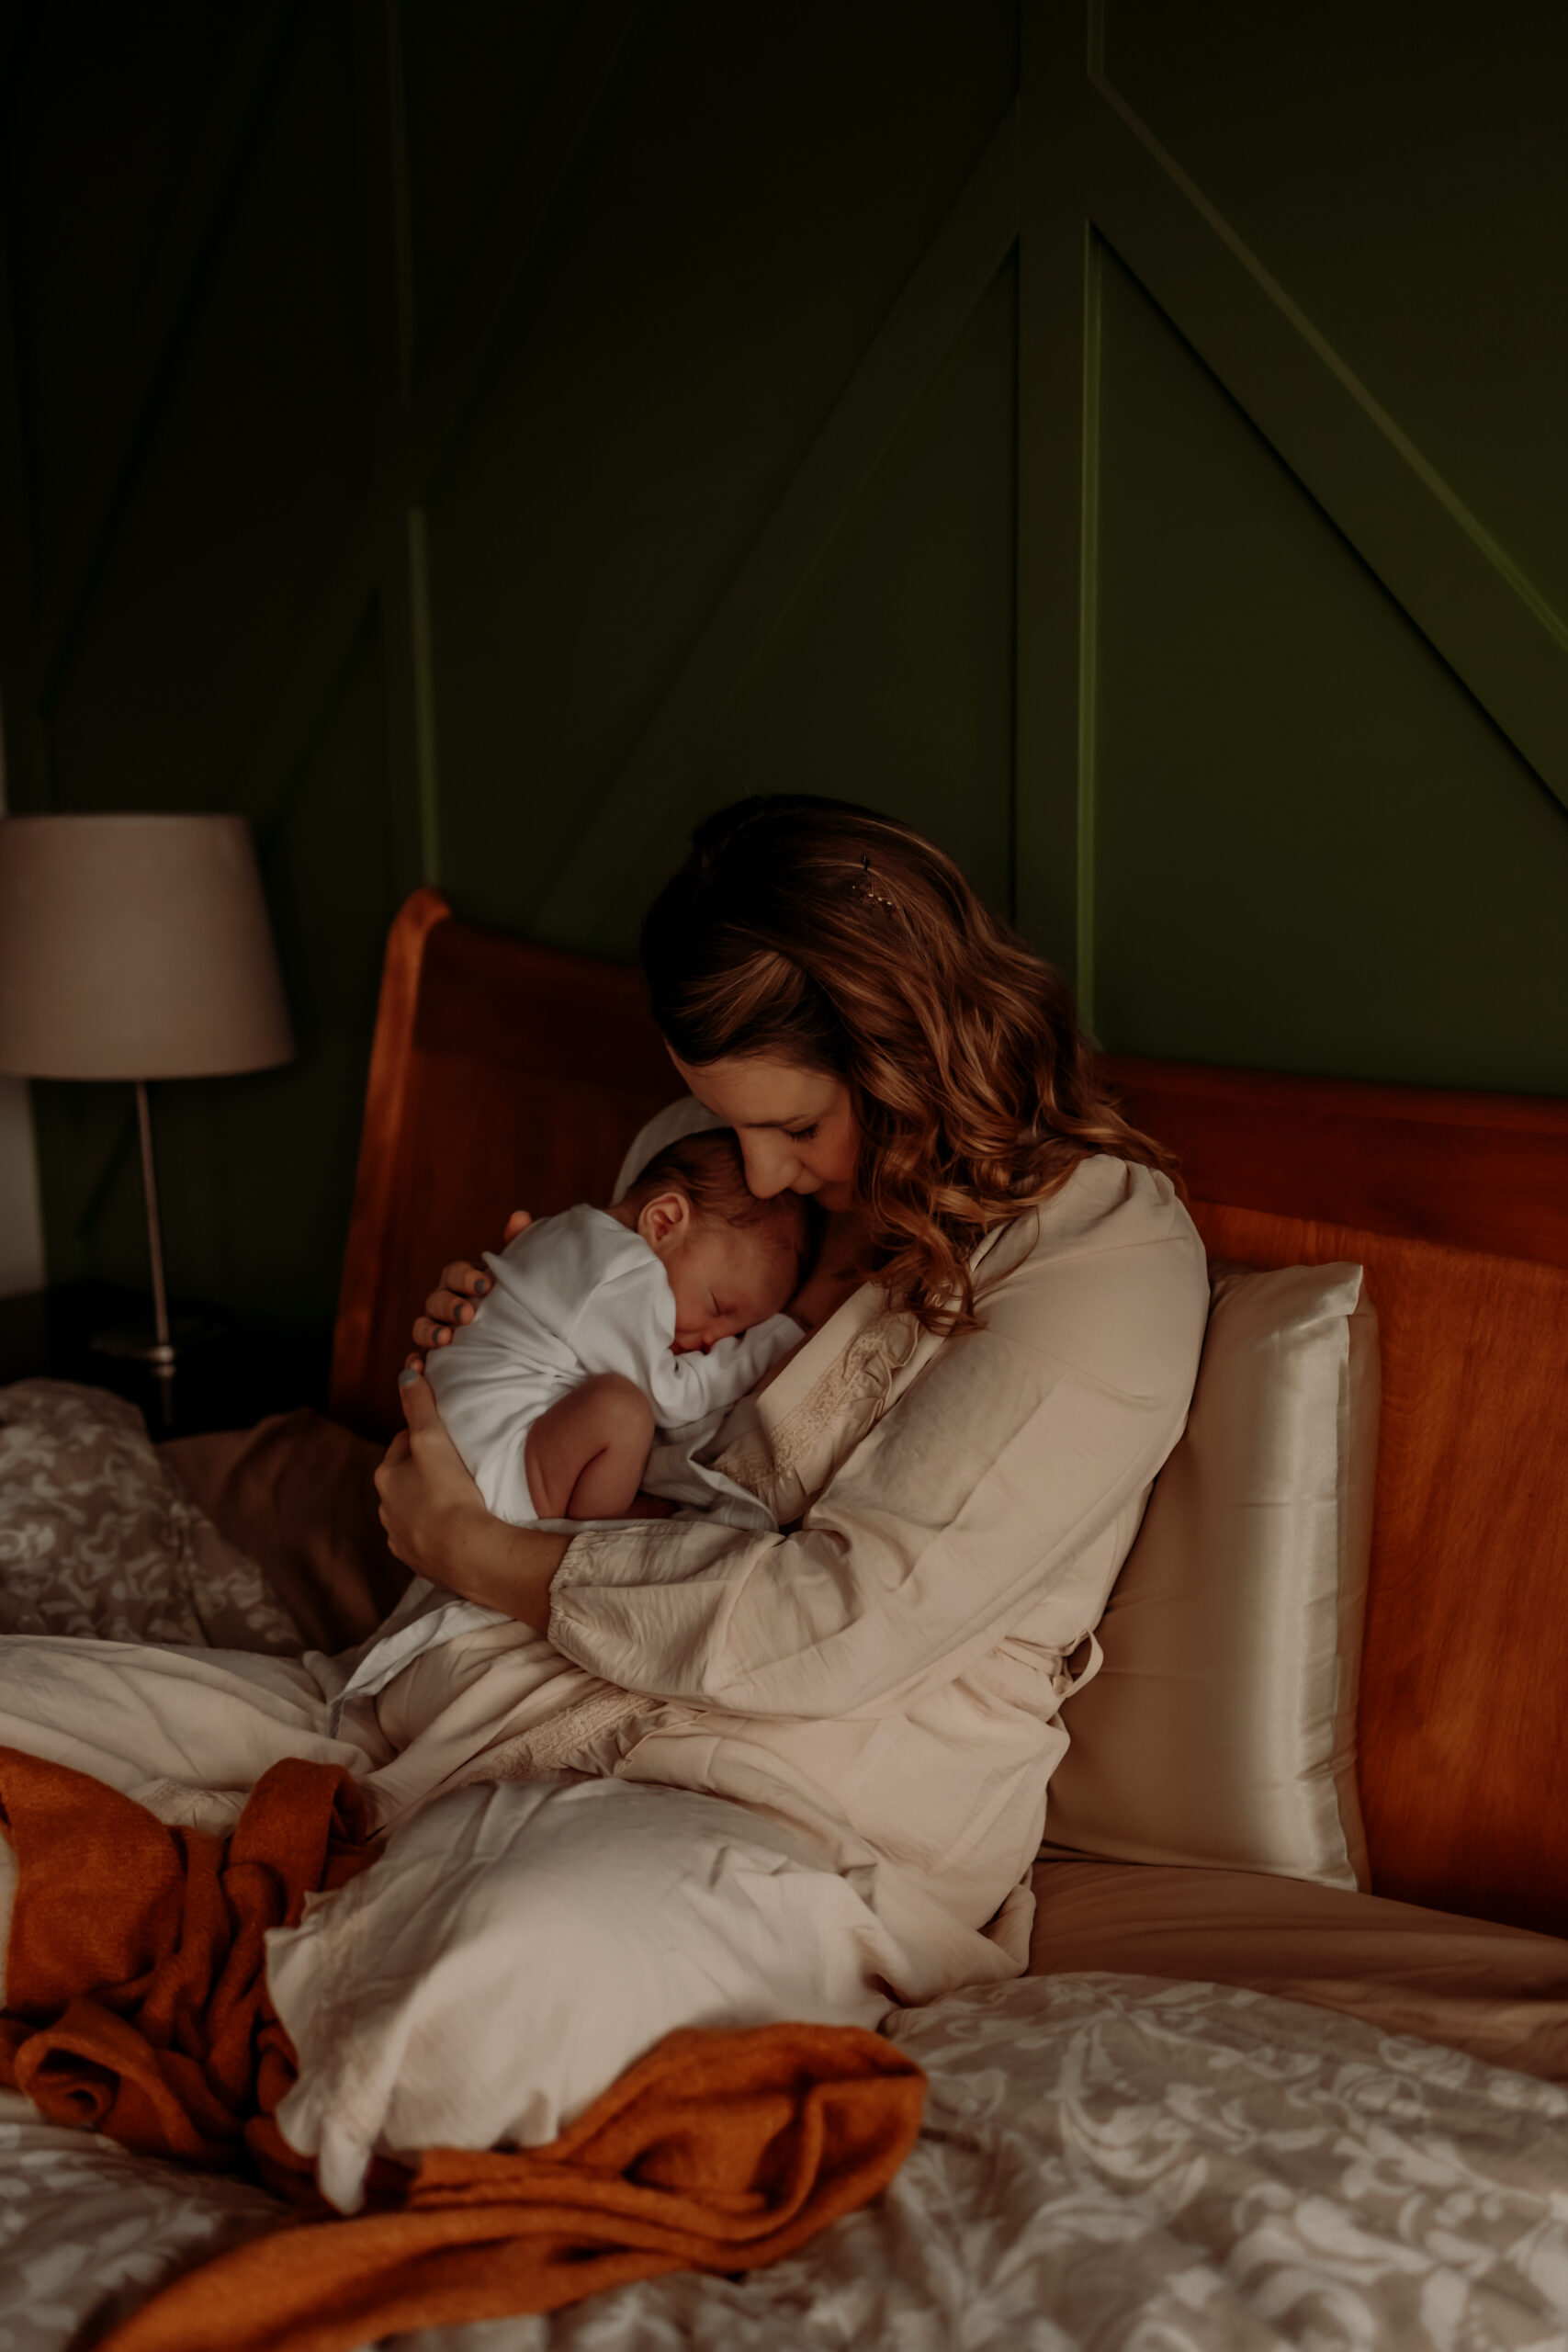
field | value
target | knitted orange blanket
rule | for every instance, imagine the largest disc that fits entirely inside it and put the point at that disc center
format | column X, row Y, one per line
column 137, row 2005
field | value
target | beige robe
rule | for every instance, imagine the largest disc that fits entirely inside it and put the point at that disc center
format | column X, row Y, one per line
column 883, row 1677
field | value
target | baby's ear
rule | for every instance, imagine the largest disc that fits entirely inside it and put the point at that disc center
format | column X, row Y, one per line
column 663, row 1219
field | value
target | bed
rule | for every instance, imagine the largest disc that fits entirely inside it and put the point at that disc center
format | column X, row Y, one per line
column 1222, row 2106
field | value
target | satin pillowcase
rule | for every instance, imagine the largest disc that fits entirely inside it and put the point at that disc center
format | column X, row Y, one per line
column 1221, row 1729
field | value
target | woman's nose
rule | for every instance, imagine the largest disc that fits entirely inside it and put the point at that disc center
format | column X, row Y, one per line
column 768, row 1167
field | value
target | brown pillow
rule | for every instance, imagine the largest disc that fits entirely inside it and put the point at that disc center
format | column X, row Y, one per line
column 295, row 1493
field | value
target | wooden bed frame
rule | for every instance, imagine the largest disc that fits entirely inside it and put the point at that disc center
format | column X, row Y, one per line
column 506, row 1075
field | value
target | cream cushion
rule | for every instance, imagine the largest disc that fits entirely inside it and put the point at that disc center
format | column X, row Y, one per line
column 1221, row 1730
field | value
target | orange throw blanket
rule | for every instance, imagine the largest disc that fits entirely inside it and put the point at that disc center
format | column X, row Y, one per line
column 135, row 1985
column 137, row 2005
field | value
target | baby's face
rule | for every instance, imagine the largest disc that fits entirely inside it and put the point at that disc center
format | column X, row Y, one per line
column 725, row 1278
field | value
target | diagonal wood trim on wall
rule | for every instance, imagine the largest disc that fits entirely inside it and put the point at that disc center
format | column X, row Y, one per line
column 928, row 316
column 1460, row 587
column 1091, row 169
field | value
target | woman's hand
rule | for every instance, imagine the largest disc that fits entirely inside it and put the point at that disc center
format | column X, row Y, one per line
column 438, row 1525
column 452, row 1303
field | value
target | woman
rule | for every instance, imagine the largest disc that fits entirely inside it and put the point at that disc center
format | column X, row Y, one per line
column 1006, row 1319
column 813, row 1763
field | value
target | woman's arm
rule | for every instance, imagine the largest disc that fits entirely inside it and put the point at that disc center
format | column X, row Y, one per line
column 1010, row 1472
column 997, row 1477
column 438, row 1525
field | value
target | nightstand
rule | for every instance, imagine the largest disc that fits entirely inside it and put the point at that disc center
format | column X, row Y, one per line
column 229, row 1377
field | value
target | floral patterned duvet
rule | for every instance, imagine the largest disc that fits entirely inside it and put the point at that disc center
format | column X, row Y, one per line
column 1107, row 2161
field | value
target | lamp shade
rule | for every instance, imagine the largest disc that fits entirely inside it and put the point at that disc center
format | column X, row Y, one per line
column 135, row 947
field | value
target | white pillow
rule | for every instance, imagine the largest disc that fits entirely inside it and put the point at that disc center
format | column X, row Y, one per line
column 1222, row 1727
column 519, row 1944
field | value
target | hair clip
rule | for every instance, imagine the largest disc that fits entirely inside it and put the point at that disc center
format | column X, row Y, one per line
column 861, row 889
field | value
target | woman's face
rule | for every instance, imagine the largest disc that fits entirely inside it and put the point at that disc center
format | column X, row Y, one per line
column 796, row 1126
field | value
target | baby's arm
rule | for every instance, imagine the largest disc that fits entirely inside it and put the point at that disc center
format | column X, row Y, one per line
column 630, row 1335
column 685, row 1387
column 586, row 1454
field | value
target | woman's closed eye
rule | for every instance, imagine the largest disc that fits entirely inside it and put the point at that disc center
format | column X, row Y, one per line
column 803, row 1134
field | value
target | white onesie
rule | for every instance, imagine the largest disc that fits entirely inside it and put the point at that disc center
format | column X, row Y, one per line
column 577, row 1294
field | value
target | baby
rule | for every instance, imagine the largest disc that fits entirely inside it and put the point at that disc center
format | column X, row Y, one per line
column 604, row 1325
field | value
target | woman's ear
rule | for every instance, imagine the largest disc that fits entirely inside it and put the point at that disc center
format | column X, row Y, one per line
column 665, row 1219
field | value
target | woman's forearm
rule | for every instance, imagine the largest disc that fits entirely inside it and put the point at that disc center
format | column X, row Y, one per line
column 438, row 1525
column 504, row 1567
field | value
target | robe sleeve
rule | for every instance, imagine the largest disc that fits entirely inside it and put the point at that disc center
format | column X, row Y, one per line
column 1011, row 1453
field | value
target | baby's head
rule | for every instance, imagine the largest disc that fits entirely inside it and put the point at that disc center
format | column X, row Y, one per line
column 732, row 1260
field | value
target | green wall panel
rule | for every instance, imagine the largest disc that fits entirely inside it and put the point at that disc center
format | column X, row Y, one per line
column 287, row 1140
column 475, row 440
column 90, row 182
column 759, row 189
column 1403, row 170
column 472, row 76
column 252, row 466
column 1313, row 851
column 892, row 681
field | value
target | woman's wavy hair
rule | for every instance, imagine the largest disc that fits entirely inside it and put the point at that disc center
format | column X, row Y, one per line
column 840, row 940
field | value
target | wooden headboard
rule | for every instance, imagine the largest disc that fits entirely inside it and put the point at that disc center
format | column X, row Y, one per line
column 506, row 1075
column 503, row 1076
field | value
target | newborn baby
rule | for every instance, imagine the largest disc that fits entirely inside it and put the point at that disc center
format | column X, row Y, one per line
column 604, row 1325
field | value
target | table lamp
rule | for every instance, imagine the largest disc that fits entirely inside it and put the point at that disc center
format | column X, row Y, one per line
column 137, row 947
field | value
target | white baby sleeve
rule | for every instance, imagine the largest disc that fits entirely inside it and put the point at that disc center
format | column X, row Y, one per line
column 499, row 1371
column 477, row 1388
column 685, row 1387
column 628, row 1326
